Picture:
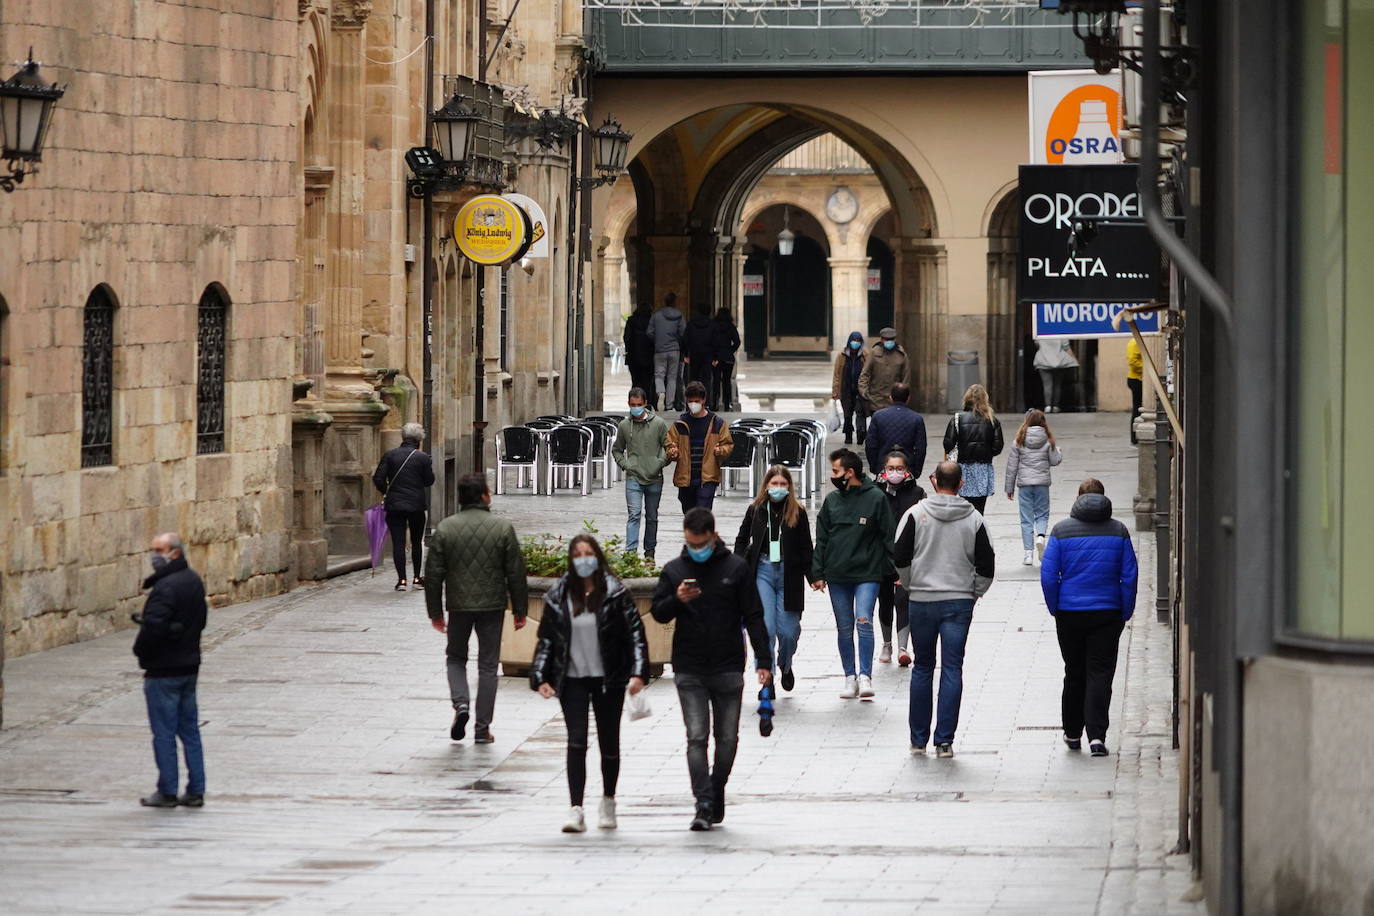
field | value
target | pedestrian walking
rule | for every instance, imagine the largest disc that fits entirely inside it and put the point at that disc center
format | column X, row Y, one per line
column 701, row 347
column 945, row 560
column 775, row 540
column 1135, row 380
column 711, row 597
column 168, row 651
column 899, row 485
column 401, row 477
column 475, row 571
column 727, row 335
column 1055, row 362
column 698, row 441
column 1033, row 453
column 1089, row 578
column 639, row 349
column 641, row 451
column 844, row 387
column 973, row 438
column 853, row 559
column 897, row 426
column 665, row 331
column 885, row 366
column 591, row 648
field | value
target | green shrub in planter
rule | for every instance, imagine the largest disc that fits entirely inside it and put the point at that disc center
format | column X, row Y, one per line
column 547, row 555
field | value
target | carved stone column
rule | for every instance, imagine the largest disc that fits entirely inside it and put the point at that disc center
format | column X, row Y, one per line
column 922, row 291
column 848, row 299
column 671, row 271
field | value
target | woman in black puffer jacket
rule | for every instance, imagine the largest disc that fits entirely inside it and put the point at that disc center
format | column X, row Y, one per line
column 977, row 433
column 591, row 647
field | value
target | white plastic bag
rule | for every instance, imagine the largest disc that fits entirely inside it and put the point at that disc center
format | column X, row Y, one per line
column 836, row 418
column 637, row 706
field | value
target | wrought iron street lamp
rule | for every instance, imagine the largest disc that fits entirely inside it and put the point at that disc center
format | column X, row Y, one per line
column 610, row 146
column 786, row 238
column 455, row 128
column 26, row 104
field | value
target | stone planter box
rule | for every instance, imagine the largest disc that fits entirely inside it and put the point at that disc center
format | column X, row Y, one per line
column 517, row 646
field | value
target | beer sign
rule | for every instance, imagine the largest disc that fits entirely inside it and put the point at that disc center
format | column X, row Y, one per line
column 491, row 230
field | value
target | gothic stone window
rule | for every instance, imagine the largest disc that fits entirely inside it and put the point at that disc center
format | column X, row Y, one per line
column 211, row 331
column 97, row 379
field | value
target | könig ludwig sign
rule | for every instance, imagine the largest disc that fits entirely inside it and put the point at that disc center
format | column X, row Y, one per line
column 491, row 230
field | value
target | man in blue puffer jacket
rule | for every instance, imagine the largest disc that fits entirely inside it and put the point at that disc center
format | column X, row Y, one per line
column 1089, row 579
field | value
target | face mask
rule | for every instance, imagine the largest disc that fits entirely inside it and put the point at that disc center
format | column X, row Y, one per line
column 158, row 560
column 895, row 477
column 889, row 345
column 585, row 566
column 856, row 344
column 777, row 494
column 636, row 412
column 701, row 554
column 696, row 406
column 839, row 482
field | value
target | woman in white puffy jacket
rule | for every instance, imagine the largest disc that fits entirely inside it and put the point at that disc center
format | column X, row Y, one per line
column 1033, row 453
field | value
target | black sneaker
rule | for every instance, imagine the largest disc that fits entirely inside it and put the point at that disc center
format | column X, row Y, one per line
column 1073, row 744
column 789, row 680
column 701, row 821
column 191, row 801
column 944, row 751
column 158, row 800
column 460, row 724
column 1098, row 748
column 718, row 805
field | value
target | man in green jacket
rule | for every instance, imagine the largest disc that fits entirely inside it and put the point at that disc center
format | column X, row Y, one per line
column 641, row 451
column 475, row 557
column 853, row 556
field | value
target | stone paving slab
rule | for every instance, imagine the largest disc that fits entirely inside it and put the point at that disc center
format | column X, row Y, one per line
column 334, row 788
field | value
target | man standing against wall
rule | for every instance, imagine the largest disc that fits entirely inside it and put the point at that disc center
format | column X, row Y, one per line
column 897, row 426
column 475, row 562
column 698, row 440
column 886, row 366
column 641, row 451
column 665, row 331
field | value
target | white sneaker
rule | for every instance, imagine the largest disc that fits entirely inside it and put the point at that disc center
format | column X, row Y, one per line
column 576, row 822
column 865, row 687
column 1029, row 558
column 885, row 656
column 608, row 821
column 851, row 687
column 1040, row 547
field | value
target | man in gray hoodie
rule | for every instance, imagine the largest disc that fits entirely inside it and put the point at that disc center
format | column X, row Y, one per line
column 665, row 330
column 945, row 561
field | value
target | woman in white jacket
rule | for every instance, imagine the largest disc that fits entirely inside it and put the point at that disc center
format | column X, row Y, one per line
column 1033, row 453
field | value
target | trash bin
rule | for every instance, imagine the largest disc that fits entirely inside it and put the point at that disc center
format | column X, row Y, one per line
column 963, row 371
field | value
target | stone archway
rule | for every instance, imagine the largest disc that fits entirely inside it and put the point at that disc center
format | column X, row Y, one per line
column 1005, row 332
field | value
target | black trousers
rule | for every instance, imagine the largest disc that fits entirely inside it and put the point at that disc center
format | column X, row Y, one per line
column 1137, row 390
column 606, row 703
column 855, row 416
column 1088, row 641
column 642, row 376
column 723, row 392
column 397, row 523
column 893, row 597
column 978, row 502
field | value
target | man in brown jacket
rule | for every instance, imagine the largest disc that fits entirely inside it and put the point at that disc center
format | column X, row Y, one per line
column 886, row 366
column 698, row 441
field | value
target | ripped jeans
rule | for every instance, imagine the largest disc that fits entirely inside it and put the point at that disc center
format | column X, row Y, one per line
column 853, row 604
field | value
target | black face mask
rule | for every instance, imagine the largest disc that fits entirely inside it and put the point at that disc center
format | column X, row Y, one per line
column 839, row 482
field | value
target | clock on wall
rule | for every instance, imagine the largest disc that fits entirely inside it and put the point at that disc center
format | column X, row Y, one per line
column 842, row 206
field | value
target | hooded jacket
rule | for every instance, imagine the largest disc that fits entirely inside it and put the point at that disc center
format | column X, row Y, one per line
column 943, row 552
column 168, row 643
column 883, row 369
column 701, row 340
column 1029, row 465
column 706, row 636
column 639, row 347
column 1054, row 354
column 665, row 329
column 849, row 365
column 1089, row 562
column 619, row 632
column 854, row 536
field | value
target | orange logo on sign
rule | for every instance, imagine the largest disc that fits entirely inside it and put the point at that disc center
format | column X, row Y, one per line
column 1082, row 130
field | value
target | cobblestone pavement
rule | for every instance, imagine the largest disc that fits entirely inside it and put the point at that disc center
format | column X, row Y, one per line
column 333, row 786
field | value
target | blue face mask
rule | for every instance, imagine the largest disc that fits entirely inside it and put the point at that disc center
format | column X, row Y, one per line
column 889, row 345
column 856, row 344
column 777, row 494
column 636, row 412
column 585, row 566
column 158, row 561
column 701, row 554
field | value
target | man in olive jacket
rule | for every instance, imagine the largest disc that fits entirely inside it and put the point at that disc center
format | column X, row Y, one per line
column 641, row 451
column 854, row 532
column 475, row 557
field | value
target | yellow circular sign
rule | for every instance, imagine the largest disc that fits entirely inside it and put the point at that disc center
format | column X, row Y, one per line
column 490, row 229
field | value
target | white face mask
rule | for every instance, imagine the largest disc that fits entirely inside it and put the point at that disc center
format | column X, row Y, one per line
column 696, row 406
column 584, row 566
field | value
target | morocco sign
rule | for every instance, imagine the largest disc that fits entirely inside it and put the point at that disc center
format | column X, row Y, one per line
column 1097, row 263
column 491, row 230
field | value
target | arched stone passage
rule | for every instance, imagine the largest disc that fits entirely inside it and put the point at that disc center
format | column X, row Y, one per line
column 1005, row 331
column 793, row 312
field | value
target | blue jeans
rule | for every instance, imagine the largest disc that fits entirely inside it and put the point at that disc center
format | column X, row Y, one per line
column 853, row 604
column 172, row 714
column 947, row 622
column 642, row 498
column 784, row 626
column 1034, row 503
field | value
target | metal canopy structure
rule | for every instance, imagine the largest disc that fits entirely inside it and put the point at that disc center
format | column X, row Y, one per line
column 852, row 14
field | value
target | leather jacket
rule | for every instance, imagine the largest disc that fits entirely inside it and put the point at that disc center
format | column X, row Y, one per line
column 979, row 441
column 620, row 633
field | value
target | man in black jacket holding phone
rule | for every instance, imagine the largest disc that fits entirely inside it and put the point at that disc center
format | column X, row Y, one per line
column 710, row 592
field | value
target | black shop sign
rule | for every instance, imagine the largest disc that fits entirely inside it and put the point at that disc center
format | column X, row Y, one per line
column 1093, row 263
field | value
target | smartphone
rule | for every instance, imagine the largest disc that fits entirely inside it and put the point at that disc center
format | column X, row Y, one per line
column 690, row 583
